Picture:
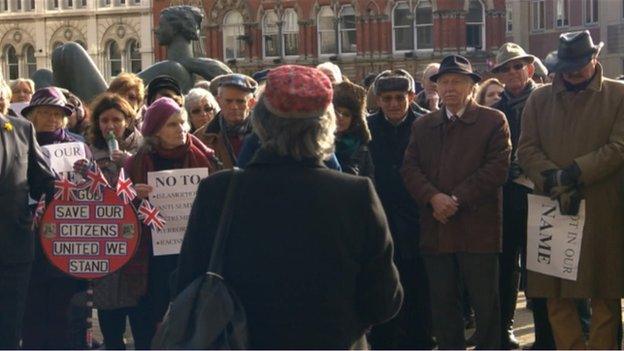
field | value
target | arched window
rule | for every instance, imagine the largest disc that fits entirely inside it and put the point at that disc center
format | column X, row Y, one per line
column 403, row 35
column 347, row 30
column 114, row 58
column 475, row 26
column 270, row 33
column 233, row 29
column 290, row 30
column 326, row 27
column 133, row 57
column 424, row 25
column 31, row 61
column 11, row 61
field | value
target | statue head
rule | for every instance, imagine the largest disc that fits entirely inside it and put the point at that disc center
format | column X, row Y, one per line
column 181, row 20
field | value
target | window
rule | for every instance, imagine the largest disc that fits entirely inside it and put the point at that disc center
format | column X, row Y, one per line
column 562, row 11
column 538, row 14
column 70, row 3
column 133, row 57
column 18, row 5
column 290, row 31
column 347, row 30
column 509, row 18
column 475, row 26
column 326, row 28
column 31, row 61
column 31, row 5
column 11, row 61
column 233, row 33
column 114, row 59
column 402, row 28
column 56, row 45
column 270, row 33
column 591, row 11
column 84, row 46
column 424, row 25
column 4, row 6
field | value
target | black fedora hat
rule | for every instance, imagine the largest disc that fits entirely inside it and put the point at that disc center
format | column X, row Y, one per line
column 575, row 51
column 455, row 64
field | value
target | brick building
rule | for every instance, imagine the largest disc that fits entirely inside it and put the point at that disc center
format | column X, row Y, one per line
column 537, row 24
column 360, row 36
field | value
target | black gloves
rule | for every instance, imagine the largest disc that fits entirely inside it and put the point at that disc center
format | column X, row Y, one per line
column 562, row 184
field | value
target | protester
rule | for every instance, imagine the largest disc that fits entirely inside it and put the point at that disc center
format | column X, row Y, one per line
column 22, row 90
column 332, row 71
column 571, row 148
column 130, row 87
column 489, row 92
column 455, row 164
column 515, row 68
column 390, row 131
column 305, row 283
column 352, row 134
column 26, row 172
column 46, row 321
column 166, row 145
column 116, row 295
column 226, row 132
column 429, row 98
column 201, row 107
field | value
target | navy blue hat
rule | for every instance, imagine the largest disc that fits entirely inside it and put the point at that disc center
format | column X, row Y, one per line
column 261, row 76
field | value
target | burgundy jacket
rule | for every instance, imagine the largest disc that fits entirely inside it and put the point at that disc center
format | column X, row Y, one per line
column 468, row 158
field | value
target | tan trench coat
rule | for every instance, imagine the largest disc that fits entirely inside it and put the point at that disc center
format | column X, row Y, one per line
column 561, row 127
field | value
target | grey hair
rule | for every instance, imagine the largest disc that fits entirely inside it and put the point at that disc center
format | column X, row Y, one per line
column 197, row 94
column 298, row 138
column 31, row 84
column 330, row 66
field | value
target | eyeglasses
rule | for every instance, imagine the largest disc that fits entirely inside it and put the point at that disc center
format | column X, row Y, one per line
column 516, row 67
column 206, row 109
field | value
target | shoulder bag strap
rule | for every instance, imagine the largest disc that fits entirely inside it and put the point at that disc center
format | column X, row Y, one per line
column 218, row 247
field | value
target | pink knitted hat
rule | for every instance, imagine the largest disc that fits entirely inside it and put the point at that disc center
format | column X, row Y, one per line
column 157, row 115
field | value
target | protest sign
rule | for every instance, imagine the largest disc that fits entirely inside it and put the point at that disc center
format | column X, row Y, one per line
column 553, row 240
column 62, row 156
column 90, row 235
column 173, row 194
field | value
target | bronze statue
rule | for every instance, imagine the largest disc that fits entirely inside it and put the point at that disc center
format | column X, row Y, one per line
column 74, row 69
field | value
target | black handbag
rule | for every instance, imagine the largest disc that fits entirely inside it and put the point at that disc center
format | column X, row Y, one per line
column 207, row 314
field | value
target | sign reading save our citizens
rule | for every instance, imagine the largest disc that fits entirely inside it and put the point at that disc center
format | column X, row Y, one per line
column 89, row 234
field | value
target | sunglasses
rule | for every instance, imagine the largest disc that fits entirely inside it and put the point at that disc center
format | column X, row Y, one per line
column 206, row 109
column 516, row 67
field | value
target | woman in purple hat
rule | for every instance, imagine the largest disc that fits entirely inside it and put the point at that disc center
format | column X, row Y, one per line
column 46, row 321
column 166, row 145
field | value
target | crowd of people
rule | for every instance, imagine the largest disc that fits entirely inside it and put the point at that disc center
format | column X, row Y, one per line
column 389, row 215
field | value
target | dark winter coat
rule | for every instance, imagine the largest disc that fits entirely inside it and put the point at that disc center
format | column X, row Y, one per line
column 468, row 158
column 309, row 252
column 355, row 157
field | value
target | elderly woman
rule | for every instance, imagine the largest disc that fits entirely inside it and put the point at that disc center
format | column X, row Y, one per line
column 201, row 107
column 167, row 145
column 46, row 321
column 310, row 271
column 352, row 134
column 22, row 90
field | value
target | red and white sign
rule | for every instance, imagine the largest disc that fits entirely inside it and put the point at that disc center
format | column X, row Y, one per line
column 91, row 235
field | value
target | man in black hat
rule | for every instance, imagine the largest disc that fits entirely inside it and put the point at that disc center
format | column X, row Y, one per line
column 572, row 147
column 454, row 167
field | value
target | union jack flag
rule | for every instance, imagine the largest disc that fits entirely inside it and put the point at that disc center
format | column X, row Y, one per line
column 151, row 216
column 95, row 179
column 125, row 190
column 39, row 210
column 64, row 189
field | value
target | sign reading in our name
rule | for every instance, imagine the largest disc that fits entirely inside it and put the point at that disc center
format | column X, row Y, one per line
column 174, row 193
column 553, row 240
column 91, row 235
column 62, row 156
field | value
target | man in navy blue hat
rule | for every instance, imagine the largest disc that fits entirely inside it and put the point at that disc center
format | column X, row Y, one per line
column 572, row 148
column 454, row 167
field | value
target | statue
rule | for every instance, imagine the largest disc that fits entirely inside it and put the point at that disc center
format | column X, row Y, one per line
column 74, row 70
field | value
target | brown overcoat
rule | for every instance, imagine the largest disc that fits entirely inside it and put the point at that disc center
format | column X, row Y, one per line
column 561, row 127
column 468, row 158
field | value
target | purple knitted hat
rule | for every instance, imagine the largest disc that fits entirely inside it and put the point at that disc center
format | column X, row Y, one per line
column 157, row 115
column 49, row 96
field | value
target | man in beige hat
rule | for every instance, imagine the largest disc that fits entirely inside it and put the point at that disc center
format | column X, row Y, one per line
column 514, row 67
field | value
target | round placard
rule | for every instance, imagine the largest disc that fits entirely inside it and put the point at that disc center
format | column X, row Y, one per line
column 91, row 235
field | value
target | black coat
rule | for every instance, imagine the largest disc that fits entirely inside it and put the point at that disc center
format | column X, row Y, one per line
column 23, row 171
column 387, row 149
column 309, row 252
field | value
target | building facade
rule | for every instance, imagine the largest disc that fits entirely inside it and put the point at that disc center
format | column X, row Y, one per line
column 537, row 24
column 117, row 34
column 361, row 36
